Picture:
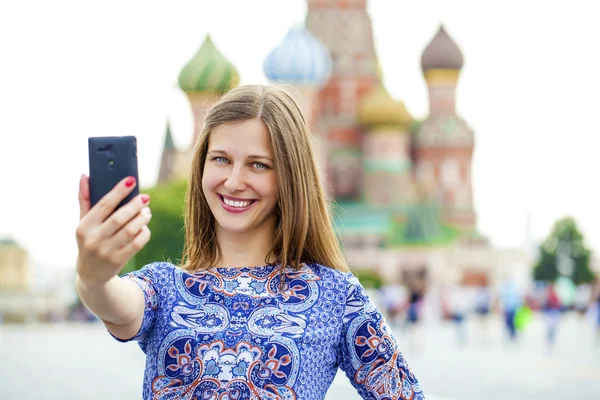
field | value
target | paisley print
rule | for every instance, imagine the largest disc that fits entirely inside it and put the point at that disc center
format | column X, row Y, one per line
column 270, row 321
column 236, row 333
column 211, row 318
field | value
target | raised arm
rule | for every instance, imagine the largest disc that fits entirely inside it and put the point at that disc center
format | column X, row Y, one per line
column 106, row 241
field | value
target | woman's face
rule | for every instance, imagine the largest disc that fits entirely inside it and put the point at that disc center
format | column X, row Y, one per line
column 239, row 180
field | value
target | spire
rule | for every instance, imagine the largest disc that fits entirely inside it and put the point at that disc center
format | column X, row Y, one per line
column 441, row 53
column 169, row 143
column 166, row 172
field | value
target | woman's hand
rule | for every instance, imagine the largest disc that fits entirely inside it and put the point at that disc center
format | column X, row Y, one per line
column 106, row 242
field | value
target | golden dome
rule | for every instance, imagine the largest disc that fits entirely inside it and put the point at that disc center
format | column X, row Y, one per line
column 379, row 108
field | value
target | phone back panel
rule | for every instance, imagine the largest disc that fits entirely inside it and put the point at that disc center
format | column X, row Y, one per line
column 111, row 158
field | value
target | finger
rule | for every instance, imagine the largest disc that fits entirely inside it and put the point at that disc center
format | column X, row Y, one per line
column 84, row 196
column 123, row 216
column 134, row 245
column 107, row 204
column 130, row 230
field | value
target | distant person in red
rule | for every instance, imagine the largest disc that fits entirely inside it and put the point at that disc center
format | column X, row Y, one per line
column 552, row 309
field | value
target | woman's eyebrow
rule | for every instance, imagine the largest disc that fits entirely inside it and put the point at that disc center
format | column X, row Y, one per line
column 252, row 156
column 217, row 151
column 261, row 157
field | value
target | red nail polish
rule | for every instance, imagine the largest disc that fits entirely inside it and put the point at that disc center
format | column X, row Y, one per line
column 145, row 199
column 130, row 181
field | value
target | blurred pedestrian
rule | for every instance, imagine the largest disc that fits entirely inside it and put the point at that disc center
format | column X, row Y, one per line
column 413, row 317
column 598, row 318
column 393, row 298
column 483, row 305
column 583, row 297
column 552, row 309
column 459, row 306
column 511, row 299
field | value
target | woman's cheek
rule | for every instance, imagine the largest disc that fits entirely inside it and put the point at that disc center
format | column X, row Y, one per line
column 211, row 178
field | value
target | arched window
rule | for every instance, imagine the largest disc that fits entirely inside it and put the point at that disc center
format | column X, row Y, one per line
column 450, row 173
column 425, row 171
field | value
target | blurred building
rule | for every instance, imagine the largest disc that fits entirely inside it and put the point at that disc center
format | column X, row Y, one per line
column 403, row 186
column 15, row 274
column 28, row 293
column 15, row 280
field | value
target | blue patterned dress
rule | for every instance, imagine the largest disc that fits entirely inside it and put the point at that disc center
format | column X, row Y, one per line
column 230, row 333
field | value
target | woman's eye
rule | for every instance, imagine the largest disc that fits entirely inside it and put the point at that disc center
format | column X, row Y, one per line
column 220, row 160
column 260, row 166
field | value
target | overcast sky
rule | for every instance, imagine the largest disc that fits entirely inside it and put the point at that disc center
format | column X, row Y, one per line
column 73, row 69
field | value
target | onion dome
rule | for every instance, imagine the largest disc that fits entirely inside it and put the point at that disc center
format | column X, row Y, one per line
column 208, row 71
column 441, row 53
column 379, row 108
column 300, row 59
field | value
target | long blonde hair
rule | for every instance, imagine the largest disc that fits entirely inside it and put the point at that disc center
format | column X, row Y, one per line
column 304, row 232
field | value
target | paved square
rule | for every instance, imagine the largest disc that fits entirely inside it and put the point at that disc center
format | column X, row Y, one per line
column 81, row 361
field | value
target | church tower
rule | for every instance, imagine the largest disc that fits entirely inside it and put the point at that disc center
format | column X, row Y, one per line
column 344, row 26
column 204, row 79
column 166, row 173
column 443, row 144
column 387, row 177
column 303, row 61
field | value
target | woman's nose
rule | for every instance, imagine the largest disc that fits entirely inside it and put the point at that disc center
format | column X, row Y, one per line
column 236, row 180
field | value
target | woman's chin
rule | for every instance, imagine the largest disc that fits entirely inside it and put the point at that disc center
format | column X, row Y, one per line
column 235, row 230
column 234, row 227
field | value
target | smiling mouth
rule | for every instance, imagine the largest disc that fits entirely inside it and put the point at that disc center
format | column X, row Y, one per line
column 238, row 204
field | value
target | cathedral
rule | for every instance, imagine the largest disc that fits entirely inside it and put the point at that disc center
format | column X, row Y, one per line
column 402, row 187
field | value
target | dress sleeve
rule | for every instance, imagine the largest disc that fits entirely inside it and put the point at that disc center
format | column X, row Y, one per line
column 146, row 279
column 368, row 352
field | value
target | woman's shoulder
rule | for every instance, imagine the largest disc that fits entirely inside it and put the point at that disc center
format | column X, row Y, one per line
column 154, row 270
column 160, row 266
column 327, row 273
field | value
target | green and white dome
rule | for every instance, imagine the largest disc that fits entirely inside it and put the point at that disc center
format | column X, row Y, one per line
column 208, row 71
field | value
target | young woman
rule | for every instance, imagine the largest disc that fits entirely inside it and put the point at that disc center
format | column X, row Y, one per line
column 263, row 306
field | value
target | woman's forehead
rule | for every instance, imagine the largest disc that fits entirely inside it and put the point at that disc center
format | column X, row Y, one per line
column 249, row 137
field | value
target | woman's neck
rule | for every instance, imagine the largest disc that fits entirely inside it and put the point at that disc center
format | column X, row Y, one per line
column 245, row 249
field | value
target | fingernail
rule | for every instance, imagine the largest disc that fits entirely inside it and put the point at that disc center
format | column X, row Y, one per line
column 145, row 199
column 130, row 182
column 147, row 212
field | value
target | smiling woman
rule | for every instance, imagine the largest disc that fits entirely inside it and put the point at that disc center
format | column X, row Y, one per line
column 254, row 145
column 241, row 191
column 263, row 306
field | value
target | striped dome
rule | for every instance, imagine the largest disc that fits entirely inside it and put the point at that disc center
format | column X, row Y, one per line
column 379, row 108
column 208, row 71
column 441, row 53
column 300, row 58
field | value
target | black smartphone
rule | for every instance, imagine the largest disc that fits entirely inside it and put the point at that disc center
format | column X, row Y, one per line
column 111, row 158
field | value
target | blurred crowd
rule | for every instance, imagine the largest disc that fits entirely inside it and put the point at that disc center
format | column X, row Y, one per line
column 405, row 306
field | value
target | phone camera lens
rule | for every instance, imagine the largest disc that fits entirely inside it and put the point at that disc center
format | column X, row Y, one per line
column 110, row 151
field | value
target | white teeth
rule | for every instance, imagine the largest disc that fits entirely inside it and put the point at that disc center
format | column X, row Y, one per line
column 236, row 203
